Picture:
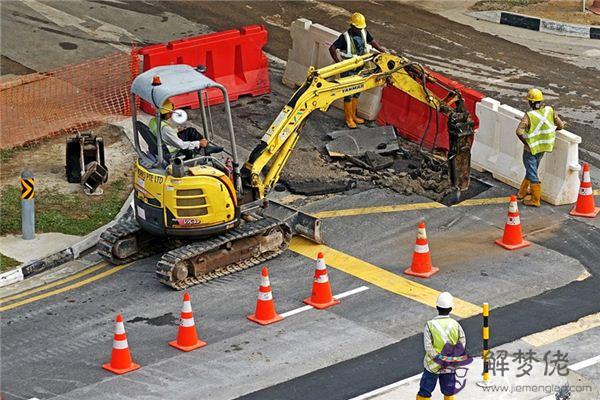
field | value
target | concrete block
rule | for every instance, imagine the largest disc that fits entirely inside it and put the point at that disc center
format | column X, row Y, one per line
column 310, row 47
column 497, row 150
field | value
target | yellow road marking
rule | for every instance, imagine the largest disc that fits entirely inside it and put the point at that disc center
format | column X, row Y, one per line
column 378, row 276
column 49, row 285
column 407, row 207
column 65, row 288
column 560, row 332
column 597, row 192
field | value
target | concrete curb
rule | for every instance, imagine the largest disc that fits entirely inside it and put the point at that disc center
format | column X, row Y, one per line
column 538, row 24
column 65, row 255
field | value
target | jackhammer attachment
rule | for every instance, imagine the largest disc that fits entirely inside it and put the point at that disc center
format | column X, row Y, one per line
column 461, row 133
column 299, row 222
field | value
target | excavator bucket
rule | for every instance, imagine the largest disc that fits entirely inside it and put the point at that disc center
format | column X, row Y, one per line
column 299, row 222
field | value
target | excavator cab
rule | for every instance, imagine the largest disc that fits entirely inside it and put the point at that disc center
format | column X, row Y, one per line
column 193, row 196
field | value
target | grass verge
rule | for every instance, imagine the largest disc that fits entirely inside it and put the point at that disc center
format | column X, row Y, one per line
column 502, row 5
column 74, row 214
column 7, row 263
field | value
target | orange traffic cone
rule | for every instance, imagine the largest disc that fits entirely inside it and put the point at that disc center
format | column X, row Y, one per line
column 187, row 337
column 421, row 261
column 513, row 236
column 120, row 359
column 585, row 206
column 265, row 305
column 321, row 296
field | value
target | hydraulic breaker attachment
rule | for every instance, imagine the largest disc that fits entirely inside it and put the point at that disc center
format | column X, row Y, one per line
column 461, row 132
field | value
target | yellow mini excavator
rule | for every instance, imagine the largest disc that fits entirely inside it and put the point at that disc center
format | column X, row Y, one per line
column 211, row 219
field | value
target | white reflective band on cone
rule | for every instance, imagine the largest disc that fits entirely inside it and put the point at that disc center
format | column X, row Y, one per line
column 265, row 296
column 586, row 191
column 119, row 328
column 320, row 264
column 512, row 207
column 586, row 176
column 187, row 322
column 513, row 221
column 321, row 278
column 421, row 233
column 264, row 281
column 119, row 344
column 187, row 307
column 421, row 248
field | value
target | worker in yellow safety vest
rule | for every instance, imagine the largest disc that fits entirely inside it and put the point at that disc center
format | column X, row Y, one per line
column 537, row 131
column 356, row 41
column 185, row 141
column 440, row 334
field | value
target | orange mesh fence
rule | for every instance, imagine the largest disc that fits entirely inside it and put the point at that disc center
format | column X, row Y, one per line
column 67, row 100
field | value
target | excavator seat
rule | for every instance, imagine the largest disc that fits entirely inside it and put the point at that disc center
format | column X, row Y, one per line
column 150, row 140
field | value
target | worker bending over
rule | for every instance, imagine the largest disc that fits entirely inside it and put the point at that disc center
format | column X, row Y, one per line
column 356, row 41
column 183, row 141
column 537, row 131
column 440, row 334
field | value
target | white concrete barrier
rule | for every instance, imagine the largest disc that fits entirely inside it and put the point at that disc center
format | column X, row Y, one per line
column 496, row 149
column 310, row 47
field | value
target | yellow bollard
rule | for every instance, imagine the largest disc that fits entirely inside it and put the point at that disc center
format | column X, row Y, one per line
column 486, row 346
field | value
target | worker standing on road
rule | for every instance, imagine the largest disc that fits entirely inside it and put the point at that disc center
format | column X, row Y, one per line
column 182, row 140
column 441, row 333
column 537, row 131
column 356, row 41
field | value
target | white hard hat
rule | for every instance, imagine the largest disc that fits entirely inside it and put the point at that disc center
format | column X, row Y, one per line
column 445, row 300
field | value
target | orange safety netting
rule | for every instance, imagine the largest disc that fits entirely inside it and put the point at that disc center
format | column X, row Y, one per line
column 67, row 100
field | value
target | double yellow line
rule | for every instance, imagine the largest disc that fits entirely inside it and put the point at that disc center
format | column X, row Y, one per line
column 59, row 282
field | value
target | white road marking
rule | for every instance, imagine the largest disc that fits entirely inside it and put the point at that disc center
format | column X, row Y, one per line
column 585, row 363
column 337, row 296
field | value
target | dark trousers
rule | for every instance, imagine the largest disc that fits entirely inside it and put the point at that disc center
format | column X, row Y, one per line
column 429, row 380
column 190, row 134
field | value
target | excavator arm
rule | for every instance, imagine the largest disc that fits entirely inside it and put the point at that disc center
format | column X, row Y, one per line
column 321, row 89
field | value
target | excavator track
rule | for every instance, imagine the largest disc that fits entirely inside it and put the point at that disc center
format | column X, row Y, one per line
column 184, row 256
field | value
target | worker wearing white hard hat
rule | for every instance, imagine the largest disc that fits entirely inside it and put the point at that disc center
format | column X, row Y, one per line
column 442, row 335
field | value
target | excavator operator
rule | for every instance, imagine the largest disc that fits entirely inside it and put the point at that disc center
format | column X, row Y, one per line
column 181, row 141
column 356, row 41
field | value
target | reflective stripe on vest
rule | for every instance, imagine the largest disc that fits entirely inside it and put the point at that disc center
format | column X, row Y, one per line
column 351, row 49
column 542, row 131
column 152, row 125
column 443, row 331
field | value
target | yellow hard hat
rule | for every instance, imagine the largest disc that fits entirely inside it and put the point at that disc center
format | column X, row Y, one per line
column 358, row 20
column 535, row 95
column 167, row 107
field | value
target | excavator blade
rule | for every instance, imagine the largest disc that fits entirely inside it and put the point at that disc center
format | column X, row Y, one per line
column 299, row 222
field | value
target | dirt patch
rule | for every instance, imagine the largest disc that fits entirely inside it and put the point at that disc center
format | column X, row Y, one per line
column 558, row 10
column 46, row 160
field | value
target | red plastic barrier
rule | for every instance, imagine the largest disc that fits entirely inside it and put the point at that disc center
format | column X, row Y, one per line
column 232, row 58
column 410, row 117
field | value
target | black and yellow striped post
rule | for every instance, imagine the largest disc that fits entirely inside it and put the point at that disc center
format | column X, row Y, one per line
column 485, row 355
column 27, row 205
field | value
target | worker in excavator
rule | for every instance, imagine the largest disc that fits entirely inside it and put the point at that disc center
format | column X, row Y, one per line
column 180, row 141
column 537, row 131
column 356, row 41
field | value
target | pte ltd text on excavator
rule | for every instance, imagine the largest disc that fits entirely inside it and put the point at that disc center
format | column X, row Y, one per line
column 210, row 218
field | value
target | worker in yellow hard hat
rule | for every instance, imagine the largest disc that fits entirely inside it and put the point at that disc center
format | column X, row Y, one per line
column 537, row 131
column 356, row 41
column 184, row 141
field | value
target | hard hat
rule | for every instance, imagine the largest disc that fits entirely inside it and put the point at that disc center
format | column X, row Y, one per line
column 167, row 107
column 445, row 300
column 358, row 20
column 535, row 95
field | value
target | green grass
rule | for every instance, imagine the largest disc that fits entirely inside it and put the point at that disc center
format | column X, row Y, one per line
column 7, row 263
column 72, row 214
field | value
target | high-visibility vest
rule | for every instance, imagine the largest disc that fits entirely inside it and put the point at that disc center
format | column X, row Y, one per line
column 152, row 125
column 351, row 49
column 542, row 131
column 443, row 331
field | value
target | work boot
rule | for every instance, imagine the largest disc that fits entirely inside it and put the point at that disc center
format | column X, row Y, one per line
column 536, row 195
column 348, row 114
column 422, row 398
column 523, row 189
column 448, row 397
column 355, row 112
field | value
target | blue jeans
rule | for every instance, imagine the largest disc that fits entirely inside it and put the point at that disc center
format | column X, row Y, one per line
column 429, row 380
column 532, row 163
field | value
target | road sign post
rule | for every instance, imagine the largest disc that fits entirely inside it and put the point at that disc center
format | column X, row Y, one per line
column 27, row 205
